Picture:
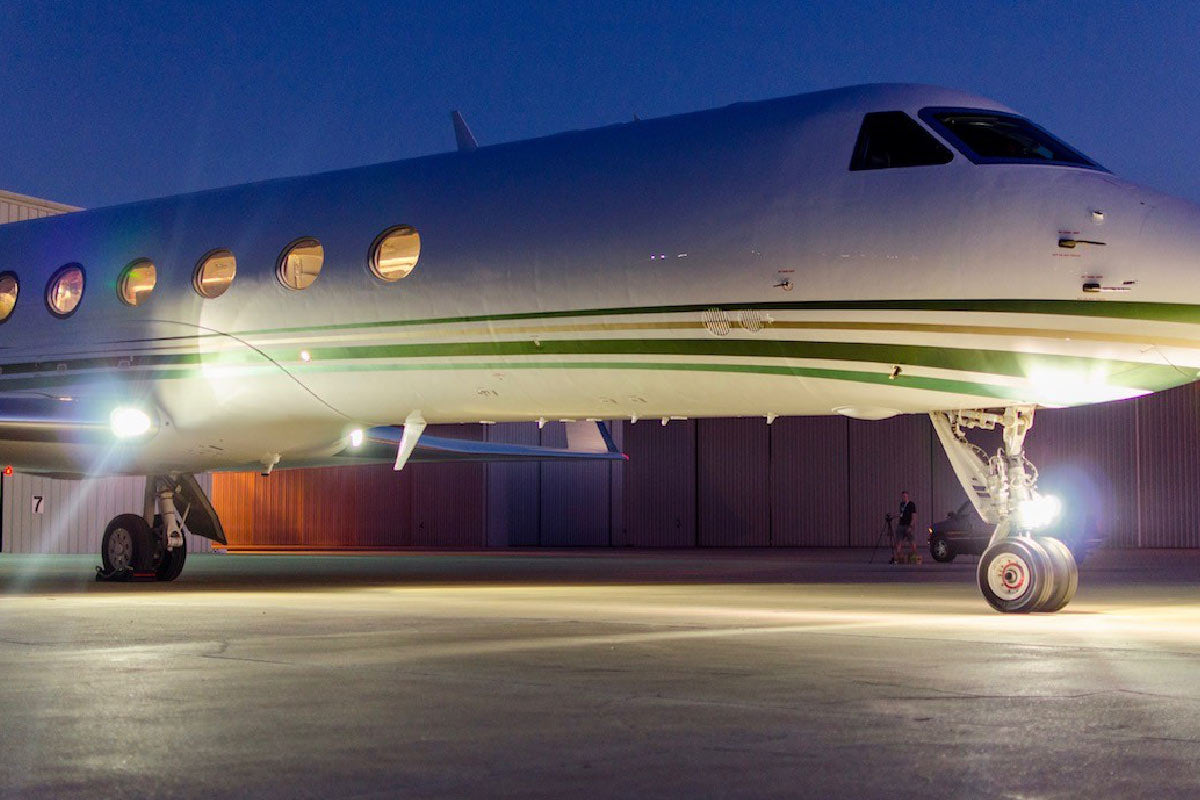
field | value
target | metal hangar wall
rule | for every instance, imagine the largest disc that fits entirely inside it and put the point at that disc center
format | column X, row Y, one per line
column 47, row 515
column 1130, row 470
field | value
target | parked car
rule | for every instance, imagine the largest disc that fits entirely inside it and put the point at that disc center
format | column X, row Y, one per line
column 963, row 532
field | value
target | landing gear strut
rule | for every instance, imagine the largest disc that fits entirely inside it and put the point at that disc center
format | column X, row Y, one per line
column 152, row 546
column 1019, row 572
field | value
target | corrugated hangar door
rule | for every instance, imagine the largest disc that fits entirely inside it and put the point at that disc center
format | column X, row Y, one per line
column 1128, row 470
column 45, row 515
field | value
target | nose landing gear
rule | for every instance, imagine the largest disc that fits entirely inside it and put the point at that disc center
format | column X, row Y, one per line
column 1018, row 572
column 1064, row 575
column 1022, row 574
column 1013, row 575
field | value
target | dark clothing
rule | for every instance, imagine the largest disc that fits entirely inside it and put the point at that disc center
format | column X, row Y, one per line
column 904, row 533
column 907, row 510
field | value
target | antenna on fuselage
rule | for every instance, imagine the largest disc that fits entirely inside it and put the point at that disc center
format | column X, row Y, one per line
column 462, row 134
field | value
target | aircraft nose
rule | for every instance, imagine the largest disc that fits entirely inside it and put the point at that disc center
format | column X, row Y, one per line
column 1171, row 239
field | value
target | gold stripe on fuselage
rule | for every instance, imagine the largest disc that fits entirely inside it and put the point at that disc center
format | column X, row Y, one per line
column 218, row 342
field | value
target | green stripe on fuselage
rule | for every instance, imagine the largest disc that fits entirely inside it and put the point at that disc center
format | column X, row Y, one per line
column 1155, row 312
column 1151, row 377
column 1135, row 375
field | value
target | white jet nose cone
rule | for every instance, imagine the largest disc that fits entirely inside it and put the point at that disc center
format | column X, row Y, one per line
column 1171, row 244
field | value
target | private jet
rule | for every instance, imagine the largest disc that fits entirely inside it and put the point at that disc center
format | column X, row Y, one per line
column 867, row 251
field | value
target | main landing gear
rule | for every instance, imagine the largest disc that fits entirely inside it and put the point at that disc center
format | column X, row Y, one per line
column 151, row 545
column 1020, row 571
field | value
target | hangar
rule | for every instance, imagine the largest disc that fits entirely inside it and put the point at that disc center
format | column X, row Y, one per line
column 1132, row 469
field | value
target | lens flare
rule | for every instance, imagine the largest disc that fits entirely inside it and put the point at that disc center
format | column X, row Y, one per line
column 127, row 422
column 1040, row 512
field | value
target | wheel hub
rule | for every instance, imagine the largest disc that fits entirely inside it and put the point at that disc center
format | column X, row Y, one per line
column 1008, row 577
column 120, row 549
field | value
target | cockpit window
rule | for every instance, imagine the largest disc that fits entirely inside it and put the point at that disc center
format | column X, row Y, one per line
column 890, row 139
column 993, row 137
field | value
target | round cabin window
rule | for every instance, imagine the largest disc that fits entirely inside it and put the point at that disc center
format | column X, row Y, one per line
column 137, row 282
column 9, row 288
column 395, row 253
column 214, row 274
column 65, row 290
column 300, row 263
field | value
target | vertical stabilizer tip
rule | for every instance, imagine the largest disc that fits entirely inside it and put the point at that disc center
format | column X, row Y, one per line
column 462, row 134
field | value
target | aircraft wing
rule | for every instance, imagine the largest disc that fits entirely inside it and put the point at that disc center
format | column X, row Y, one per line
column 88, row 421
column 587, row 441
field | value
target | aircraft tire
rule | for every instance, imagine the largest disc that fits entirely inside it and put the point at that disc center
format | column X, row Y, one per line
column 1066, row 574
column 1015, row 575
column 171, row 563
column 941, row 550
column 127, row 544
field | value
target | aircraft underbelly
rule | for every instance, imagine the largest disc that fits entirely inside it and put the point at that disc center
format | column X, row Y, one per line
column 520, row 395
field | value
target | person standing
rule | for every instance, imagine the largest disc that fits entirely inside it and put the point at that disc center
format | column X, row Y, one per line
column 904, row 527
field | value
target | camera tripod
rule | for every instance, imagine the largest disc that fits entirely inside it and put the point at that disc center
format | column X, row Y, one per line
column 887, row 538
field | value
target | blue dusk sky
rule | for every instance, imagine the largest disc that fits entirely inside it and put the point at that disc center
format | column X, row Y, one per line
column 105, row 103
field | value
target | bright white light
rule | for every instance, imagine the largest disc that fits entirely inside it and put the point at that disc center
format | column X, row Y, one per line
column 128, row 422
column 305, row 356
column 356, row 437
column 1039, row 512
column 1071, row 387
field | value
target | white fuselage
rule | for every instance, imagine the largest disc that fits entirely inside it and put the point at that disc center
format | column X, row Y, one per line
column 725, row 263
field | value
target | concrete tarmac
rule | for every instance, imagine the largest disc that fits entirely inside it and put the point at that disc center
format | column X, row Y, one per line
column 696, row 674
